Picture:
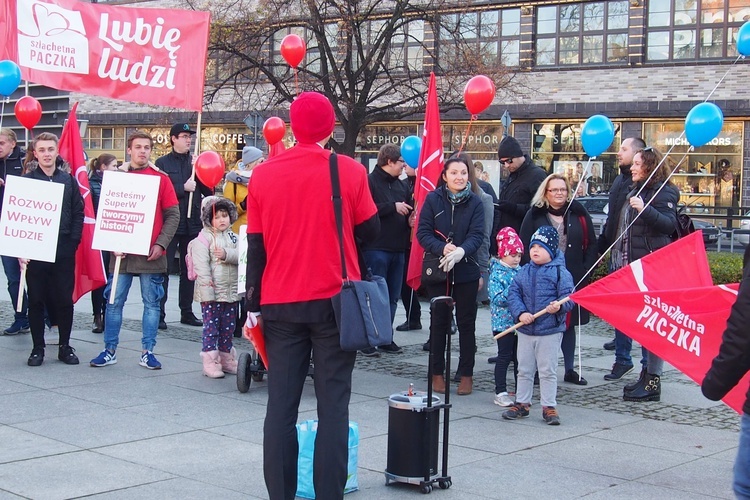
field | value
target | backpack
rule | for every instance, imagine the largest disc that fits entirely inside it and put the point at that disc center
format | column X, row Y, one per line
column 685, row 224
column 191, row 274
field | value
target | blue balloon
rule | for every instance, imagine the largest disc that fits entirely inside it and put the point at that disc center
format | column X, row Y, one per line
column 10, row 77
column 410, row 149
column 743, row 39
column 597, row 135
column 703, row 123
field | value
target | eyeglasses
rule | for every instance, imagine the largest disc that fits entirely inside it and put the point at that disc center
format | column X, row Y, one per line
column 506, row 161
column 183, row 136
column 401, row 160
column 557, row 190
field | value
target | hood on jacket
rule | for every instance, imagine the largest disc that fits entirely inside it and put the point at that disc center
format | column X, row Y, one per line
column 211, row 203
column 59, row 163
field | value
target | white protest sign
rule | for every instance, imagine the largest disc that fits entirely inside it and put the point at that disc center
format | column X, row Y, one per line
column 127, row 205
column 30, row 221
column 242, row 259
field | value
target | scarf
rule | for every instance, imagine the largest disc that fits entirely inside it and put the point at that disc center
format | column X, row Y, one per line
column 456, row 198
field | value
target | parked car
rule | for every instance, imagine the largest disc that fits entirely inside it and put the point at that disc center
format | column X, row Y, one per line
column 598, row 208
column 710, row 231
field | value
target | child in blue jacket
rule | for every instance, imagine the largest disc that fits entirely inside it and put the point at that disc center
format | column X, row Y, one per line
column 502, row 271
column 538, row 285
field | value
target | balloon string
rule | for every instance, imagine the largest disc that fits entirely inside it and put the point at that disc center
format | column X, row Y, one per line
column 722, row 78
column 2, row 111
column 296, row 82
column 466, row 134
column 664, row 158
column 586, row 170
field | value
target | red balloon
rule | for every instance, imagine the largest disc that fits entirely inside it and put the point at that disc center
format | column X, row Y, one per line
column 28, row 111
column 274, row 129
column 293, row 50
column 478, row 94
column 209, row 168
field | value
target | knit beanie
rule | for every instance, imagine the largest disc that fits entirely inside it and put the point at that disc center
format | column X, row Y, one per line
column 250, row 154
column 547, row 237
column 508, row 242
column 509, row 148
column 312, row 117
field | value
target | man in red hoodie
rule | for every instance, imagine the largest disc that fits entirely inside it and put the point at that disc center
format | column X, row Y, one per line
column 293, row 270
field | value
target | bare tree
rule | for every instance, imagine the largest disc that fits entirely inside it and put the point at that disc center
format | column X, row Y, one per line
column 371, row 58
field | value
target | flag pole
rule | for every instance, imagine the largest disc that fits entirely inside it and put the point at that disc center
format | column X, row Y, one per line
column 115, row 275
column 536, row 315
column 195, row 155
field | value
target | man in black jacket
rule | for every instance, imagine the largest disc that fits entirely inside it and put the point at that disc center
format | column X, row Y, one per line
column 617, row 198
column 385, row 255
column 728, row 368
column 517, row 190
column 11, row 163
column 179, row 166
column 50, row 284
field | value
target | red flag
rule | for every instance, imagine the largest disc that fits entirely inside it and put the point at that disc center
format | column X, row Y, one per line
column 90, row 273
column 428, row 174
column 154, row 56
column 667, row 302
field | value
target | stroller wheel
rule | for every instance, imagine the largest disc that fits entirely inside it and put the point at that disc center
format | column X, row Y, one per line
column 243, row 372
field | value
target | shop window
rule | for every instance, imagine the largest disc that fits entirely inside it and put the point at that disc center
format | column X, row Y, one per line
column 557, row 148
column 688, row 30
column 582, row 33
column 708, row 177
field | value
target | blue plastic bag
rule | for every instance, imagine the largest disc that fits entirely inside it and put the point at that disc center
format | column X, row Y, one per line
column 306, row 432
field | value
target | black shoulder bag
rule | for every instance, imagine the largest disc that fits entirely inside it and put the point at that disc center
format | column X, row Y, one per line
column 362, row 308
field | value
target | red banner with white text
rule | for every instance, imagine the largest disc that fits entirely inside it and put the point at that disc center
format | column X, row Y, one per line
column 667, row 302
column 152, row 56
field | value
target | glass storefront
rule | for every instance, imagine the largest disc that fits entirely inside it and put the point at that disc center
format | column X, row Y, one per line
column 709, row 177
column 557, row 148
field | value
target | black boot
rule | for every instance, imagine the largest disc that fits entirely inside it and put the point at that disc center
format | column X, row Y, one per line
column 648, row 390
column 630, row 387
column 98, row 326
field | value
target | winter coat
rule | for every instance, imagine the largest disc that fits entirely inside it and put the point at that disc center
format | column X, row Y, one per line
column 95, row 183
column 179, row 168
column 617, row 198
column 235, row 190
column 657, row 223
column 501, row 276
column 11, row 165
column 71, row 211
column 733, row 360
column 518, row 190
column 534, row 287
column 580, row 251
column 483, row 254
column 217, row 279
column 386, row 191
column 463, row 222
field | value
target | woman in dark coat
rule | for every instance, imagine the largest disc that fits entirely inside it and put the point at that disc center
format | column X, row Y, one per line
column 451, row 225
column 652, row 230
column 552, row 206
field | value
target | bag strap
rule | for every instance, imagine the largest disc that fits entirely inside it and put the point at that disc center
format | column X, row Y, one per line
column 585, row 228
column 337, row 210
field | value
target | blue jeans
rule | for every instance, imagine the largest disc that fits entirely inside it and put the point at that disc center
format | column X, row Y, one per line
column 13, row 274
column 151, row 293
column 741, row 482
column 623, row 345
column 389, row 265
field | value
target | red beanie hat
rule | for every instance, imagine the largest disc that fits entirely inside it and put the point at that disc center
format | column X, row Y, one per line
column 312, row 117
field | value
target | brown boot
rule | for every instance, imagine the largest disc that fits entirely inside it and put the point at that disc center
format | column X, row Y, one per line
column 438, row 384
column 465, row 386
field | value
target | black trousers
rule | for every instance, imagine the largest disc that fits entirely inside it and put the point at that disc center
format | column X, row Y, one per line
column 409, row 298
column 185, row 296
column 288, row 346
column 465, row 297
column 98, row 304
column 51, row 284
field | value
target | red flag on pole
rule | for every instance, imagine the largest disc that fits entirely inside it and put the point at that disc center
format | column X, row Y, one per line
column 428, row 174
column 90, row 273
column 666, row 301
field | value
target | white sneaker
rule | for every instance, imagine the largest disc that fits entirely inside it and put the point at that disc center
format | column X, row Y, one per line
column 503, row 399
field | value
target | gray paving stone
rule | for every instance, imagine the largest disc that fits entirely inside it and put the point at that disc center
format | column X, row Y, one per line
column 37, row 405
column 18, row 444
column 201, row 411
column 182, row 488
column 704, row 476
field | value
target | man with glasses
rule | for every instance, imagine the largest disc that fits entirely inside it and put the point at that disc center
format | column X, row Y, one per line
column 516, row 192
column 385, row 255
column 178, row 165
